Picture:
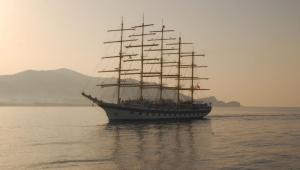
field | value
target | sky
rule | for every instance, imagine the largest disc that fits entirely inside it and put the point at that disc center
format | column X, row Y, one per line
column 252, row 47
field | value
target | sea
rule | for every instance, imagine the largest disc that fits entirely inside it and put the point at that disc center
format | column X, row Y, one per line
column 242, row 138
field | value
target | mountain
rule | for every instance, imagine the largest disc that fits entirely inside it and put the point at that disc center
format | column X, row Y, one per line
column 63, row 87
column 219, row 103
column 43, row 87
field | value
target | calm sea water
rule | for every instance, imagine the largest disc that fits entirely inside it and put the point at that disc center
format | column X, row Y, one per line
column 81, row 138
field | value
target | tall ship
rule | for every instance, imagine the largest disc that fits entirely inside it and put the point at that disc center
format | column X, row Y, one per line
column 139, row 51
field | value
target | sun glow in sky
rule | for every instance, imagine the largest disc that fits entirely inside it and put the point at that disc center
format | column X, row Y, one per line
column 252, row 46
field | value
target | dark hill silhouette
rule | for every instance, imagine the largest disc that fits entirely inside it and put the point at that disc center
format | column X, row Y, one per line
column 63, row 87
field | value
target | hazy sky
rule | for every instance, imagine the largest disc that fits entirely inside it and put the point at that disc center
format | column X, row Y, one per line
column 252, row 46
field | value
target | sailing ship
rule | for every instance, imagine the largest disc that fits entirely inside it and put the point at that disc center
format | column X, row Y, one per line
column 165, row 49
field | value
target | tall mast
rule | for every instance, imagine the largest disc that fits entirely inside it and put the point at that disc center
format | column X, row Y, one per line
column 178, row 76
column 192, row 88
column 161, row 62
column 192, row 78
column 120, row 61
column 162, row 49
column 178, row 71
column 120, row 56
column 125, row 57
column 142, row 73
column 142, row 61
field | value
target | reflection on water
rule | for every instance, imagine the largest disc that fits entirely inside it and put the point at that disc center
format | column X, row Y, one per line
column 171, row 145
column 81, row 138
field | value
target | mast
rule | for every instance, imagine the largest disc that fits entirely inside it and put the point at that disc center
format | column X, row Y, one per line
column 192, row 78
column 120, row 56
column 179, row 66
column 120, row 61
column 192, row 88
column 142, row 26
column 162, row 49
column 178, row 71
column 161, row 61
column 142, row 61
column 125, row 57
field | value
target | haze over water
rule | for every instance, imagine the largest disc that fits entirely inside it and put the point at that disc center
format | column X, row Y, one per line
column 252, row 52
column 251, row 46
column 82, row 138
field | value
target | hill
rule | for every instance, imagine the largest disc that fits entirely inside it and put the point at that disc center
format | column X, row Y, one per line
column 63, row 87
